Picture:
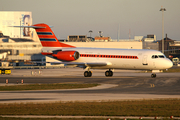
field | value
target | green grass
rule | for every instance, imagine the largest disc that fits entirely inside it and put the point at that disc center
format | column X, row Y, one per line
column 69, row 119
column 60, row 119
column 66, row 119
column 161, row 108
column 45, row 86
column 57, row 119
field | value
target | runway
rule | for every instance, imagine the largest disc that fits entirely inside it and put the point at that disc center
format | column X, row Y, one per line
column 124, row 85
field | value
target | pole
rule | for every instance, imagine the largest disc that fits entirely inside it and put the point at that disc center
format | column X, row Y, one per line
column 20, row 27
column 162, row 9
column 118, row 33
column 163, row 31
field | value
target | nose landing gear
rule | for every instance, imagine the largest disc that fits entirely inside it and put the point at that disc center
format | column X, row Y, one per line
column 153, row 75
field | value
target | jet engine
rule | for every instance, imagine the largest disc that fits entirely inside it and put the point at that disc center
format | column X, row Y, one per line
column 66, row 55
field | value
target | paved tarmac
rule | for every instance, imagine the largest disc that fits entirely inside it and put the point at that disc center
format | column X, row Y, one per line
column 124, row 85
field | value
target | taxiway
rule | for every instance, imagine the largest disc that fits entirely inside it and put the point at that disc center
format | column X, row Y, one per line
column 124, row 85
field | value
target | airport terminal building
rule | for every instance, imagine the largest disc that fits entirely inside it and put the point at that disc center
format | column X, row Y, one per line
column 20, row 44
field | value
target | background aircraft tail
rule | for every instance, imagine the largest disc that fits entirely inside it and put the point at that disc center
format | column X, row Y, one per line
column 47, row 37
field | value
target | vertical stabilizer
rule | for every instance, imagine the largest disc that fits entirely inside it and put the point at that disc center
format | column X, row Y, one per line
column 47, row 37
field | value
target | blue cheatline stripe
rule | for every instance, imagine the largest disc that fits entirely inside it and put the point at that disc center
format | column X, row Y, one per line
column 44, row 33
column 47, row 39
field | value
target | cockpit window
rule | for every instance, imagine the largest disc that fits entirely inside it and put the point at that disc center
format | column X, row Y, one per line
column 161, row 56
column 154, row 56
column 158, row 56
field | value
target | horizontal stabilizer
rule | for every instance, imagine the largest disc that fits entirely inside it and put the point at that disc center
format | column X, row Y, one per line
column 46, row 36
column 35, row 27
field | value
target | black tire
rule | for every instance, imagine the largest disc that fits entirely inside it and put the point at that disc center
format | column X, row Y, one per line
column 86, row 74
column 89, row 74
column 111, row 73
column 153, row 75
column 107, row 73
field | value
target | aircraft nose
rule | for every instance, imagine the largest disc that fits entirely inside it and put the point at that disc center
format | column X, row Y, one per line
column 168, row 64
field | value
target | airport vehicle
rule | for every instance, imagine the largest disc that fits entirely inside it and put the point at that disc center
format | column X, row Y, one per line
column 99, row 58
column 5, row 71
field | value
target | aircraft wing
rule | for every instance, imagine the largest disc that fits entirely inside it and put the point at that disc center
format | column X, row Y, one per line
column 82, row 63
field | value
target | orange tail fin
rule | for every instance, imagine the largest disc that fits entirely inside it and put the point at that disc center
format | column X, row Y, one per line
column 47, row 37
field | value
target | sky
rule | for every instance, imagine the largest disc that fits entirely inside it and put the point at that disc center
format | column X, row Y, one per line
column 78, row 17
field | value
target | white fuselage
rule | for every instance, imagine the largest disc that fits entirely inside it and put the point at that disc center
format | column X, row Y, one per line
column 123, row 58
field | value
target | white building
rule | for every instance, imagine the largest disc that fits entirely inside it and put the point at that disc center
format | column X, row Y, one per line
column 150, row 38
column 19, row 18
column 21, row 44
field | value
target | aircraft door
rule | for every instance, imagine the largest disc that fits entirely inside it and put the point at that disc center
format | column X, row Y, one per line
column 144, row 60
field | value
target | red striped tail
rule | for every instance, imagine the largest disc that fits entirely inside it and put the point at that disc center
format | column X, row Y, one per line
column 47, row 37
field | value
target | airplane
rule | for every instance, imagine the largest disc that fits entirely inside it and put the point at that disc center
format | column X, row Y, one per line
column 99, row 58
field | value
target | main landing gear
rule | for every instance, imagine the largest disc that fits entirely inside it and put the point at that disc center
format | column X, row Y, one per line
column 153, row 75
column 109, row 73
column 87, row 74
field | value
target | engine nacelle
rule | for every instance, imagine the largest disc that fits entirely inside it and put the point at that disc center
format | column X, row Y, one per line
column 67, row 55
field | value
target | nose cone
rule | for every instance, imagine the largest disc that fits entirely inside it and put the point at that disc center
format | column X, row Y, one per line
column 168, row 64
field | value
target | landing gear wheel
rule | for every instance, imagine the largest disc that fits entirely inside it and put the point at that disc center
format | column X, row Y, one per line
column 111, row 73
column 153, row 75
column 87, row 74
column 108, row 73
